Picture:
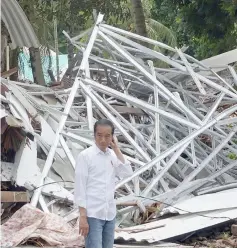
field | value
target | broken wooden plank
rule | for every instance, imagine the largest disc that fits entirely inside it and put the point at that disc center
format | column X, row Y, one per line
column 14, row 196
column 9, row 72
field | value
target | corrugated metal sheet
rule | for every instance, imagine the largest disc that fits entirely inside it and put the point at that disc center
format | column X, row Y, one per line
column 19, row 27
column 204, row 203
column 220, row 61
column 176, row 226
column 145, row 245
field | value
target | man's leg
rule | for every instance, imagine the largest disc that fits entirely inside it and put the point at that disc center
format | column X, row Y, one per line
column 94, row 237
column 108, row 234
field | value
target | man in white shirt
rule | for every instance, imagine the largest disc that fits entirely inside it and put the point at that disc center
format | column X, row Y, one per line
column 96, row 169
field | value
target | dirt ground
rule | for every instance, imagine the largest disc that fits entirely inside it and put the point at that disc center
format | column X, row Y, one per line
column 220, row 237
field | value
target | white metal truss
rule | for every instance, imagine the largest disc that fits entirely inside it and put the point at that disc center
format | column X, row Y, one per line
column 176, row 126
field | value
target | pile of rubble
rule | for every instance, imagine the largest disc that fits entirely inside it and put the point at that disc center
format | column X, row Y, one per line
column 219, row 237
column 175, row 119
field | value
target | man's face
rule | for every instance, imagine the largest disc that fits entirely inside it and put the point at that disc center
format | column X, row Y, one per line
column 103, row 136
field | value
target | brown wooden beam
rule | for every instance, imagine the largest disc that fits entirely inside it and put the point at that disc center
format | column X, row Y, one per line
column 131, row 203
column 11, row 196
column 9, row 72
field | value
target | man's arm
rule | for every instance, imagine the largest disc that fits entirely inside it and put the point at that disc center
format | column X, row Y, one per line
column 123, row 168
column 83, row 223
column 81, row 176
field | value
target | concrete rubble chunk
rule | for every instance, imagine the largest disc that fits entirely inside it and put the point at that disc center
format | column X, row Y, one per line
column 234, row 230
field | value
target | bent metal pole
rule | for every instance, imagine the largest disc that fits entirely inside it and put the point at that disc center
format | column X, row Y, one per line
column 68, row 105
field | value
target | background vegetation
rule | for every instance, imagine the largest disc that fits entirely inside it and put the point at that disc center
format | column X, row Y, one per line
column 207, row 27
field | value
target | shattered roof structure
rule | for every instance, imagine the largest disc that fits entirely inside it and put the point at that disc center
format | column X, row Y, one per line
column 175, row 118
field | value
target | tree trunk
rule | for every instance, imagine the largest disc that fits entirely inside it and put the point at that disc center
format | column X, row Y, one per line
column 4, row 38
column 14, row 63
column 3, row 52
column 139, row 18
column 71, row 31
column 36, row 65
column 71, row 59
column 70, row 52
column 50, row 71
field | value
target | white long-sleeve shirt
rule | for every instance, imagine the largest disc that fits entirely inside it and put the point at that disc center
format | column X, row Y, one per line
column 95, row 181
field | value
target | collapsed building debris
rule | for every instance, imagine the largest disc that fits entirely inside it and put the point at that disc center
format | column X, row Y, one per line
column 175, row 119
column 29, row 222
column 194, row 215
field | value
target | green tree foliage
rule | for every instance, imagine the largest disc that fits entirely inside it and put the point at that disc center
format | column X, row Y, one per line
column 73, row 16
column 139, row 17
column 160, row 32
column 208, row 27
column 77, row 16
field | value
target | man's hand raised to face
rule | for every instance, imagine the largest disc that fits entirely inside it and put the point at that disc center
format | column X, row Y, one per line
column 114, row 143
column 115, row 147
column 83, row 226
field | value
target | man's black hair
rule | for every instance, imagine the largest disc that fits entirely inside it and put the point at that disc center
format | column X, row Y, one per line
column 104, row 122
